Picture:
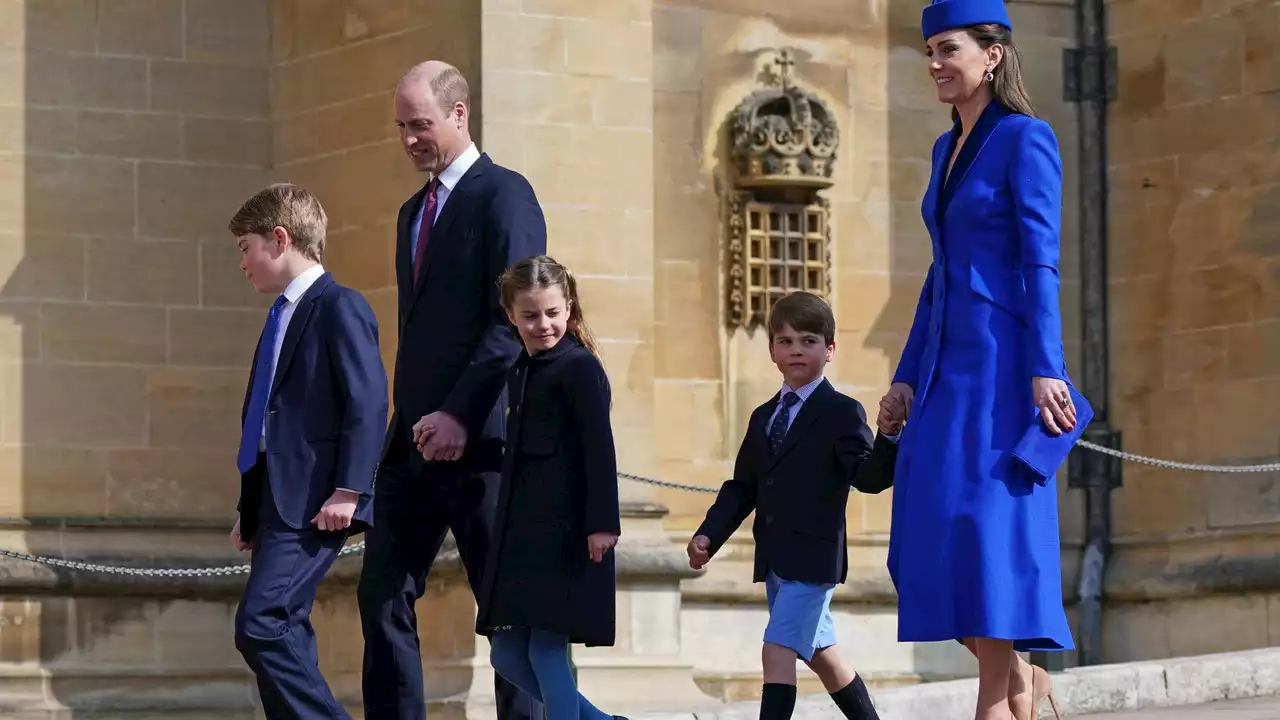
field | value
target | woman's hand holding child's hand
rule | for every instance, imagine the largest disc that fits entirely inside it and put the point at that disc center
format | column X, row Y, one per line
column 599, row 544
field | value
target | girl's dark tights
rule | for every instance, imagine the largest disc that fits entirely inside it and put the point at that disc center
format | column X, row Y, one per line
column 537, row 662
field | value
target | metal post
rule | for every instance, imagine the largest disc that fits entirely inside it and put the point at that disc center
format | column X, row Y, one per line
column 1090, row 75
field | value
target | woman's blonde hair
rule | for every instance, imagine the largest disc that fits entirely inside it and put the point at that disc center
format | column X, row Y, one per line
column 542, row 272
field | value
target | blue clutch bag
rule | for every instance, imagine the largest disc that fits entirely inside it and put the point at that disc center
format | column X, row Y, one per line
column 1043, row 453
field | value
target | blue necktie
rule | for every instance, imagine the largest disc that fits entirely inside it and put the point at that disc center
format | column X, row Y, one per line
column 778, row 430
column 256, row 412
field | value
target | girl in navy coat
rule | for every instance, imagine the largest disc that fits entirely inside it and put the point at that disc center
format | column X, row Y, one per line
column 550, row 573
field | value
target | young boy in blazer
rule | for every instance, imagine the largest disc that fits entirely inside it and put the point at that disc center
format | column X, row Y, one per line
column 803, row 450
column 313, row 422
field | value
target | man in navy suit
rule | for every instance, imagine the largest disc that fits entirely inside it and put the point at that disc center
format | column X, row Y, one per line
column 454, row 238
column 313, row 421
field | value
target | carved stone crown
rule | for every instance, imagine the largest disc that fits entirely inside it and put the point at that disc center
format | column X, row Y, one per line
column 783, row 136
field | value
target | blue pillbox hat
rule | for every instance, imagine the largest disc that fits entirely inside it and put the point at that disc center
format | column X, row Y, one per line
column 943, row 15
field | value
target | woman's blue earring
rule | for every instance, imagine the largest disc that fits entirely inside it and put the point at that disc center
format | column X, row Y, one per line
column 990, row 77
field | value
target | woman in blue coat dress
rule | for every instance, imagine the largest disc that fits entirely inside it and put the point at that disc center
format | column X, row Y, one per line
column 973, row 550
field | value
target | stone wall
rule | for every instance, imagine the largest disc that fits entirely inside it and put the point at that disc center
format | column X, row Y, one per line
column 1195, row 323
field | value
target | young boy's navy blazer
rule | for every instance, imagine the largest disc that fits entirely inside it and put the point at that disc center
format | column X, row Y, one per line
column 327, row 412
column 325, row 419
column 799, row 494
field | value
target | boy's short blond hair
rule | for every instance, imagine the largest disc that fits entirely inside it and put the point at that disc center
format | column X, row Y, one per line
column 289, row 206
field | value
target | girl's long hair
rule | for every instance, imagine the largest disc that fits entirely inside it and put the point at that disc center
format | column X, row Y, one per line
column 1007, row 86
column 541, row 272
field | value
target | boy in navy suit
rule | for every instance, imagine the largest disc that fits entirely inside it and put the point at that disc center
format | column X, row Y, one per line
column 803, row 450
column 313, row 421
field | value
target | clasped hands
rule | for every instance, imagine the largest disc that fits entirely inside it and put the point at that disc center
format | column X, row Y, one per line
column 1051, row 395
column 334, row 515
column 440, row 437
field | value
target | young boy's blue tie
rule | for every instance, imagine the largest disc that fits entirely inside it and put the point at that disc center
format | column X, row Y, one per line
column 251, row 433
column 781, row 421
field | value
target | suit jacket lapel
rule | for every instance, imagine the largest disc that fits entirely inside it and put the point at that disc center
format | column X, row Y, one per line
column 459, row 197
column 404, row 254
column 297, row 324
column 809, row 412
column 973, row 145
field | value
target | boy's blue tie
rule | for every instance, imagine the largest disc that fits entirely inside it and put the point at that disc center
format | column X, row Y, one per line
column 778, row 430
column 251, row 433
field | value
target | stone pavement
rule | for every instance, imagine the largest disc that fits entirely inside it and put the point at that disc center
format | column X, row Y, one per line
column 1267, row 708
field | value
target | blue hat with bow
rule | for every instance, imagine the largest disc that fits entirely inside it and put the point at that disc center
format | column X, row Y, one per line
column 943, row 15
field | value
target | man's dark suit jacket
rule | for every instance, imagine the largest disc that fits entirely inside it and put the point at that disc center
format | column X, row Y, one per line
column 799, row 494
column 326, row 413
column 455, row 341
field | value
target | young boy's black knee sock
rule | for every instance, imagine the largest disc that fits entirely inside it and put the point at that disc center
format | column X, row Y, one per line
column 777, row 702
column 854, row 702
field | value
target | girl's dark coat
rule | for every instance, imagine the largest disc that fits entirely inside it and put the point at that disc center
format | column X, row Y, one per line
column 559, row 485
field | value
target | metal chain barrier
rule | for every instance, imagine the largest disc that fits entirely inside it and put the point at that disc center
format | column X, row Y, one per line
column 357, row 548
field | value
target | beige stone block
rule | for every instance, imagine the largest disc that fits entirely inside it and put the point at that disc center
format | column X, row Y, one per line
column 366, row 186
column 1133, row 16
column 1159, row 502
column 528, row 97
column 36, row 130
column 65, row 25
column 13, row 78
column 316, row 27
column 227, row 142
column 364, row 257
column 677, row 120
column 1254, row 403
column 678, row 62
column 624, row 11
column 214, row 338
column 87, row 81
column 126, row 334
column 599, row 240
column 1135, row 631
column 116, row 630
column 141, row 27
column 79, row 195
column 210, row 89
column 629, row 366
column 196, row 634
column 83, row 406
column 294, row 138
column 20, row 330
column 360, row 121
column 228, row 31
column 53, row 482
column 1216, row 72
column 522, row 43
column 1195, row 358
column 45, row 267
column 129, row 135
column 619, row 309
column 192, row 202
column 609, row 49
column 861, row 360
column 195, row 408
column 561, row 164
column 168, row 483
column 1261, row 59
column 23, row 627
column 1252, row 349
column 152, row 272
column 1216, row 624
column 13, row 25
column 688, row 314
column 882, row 303
column 1211, row 297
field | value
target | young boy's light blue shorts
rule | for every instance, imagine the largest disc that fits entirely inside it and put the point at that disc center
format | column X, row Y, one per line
column 799, row 615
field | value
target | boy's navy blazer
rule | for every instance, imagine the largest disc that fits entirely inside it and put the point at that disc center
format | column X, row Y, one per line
column 799, row 494
column 327, row 411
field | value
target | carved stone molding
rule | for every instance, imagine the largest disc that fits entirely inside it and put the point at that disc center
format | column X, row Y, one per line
column 783, row 143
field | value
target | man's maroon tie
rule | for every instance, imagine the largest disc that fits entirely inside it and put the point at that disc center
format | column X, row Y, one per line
column 424, row 231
